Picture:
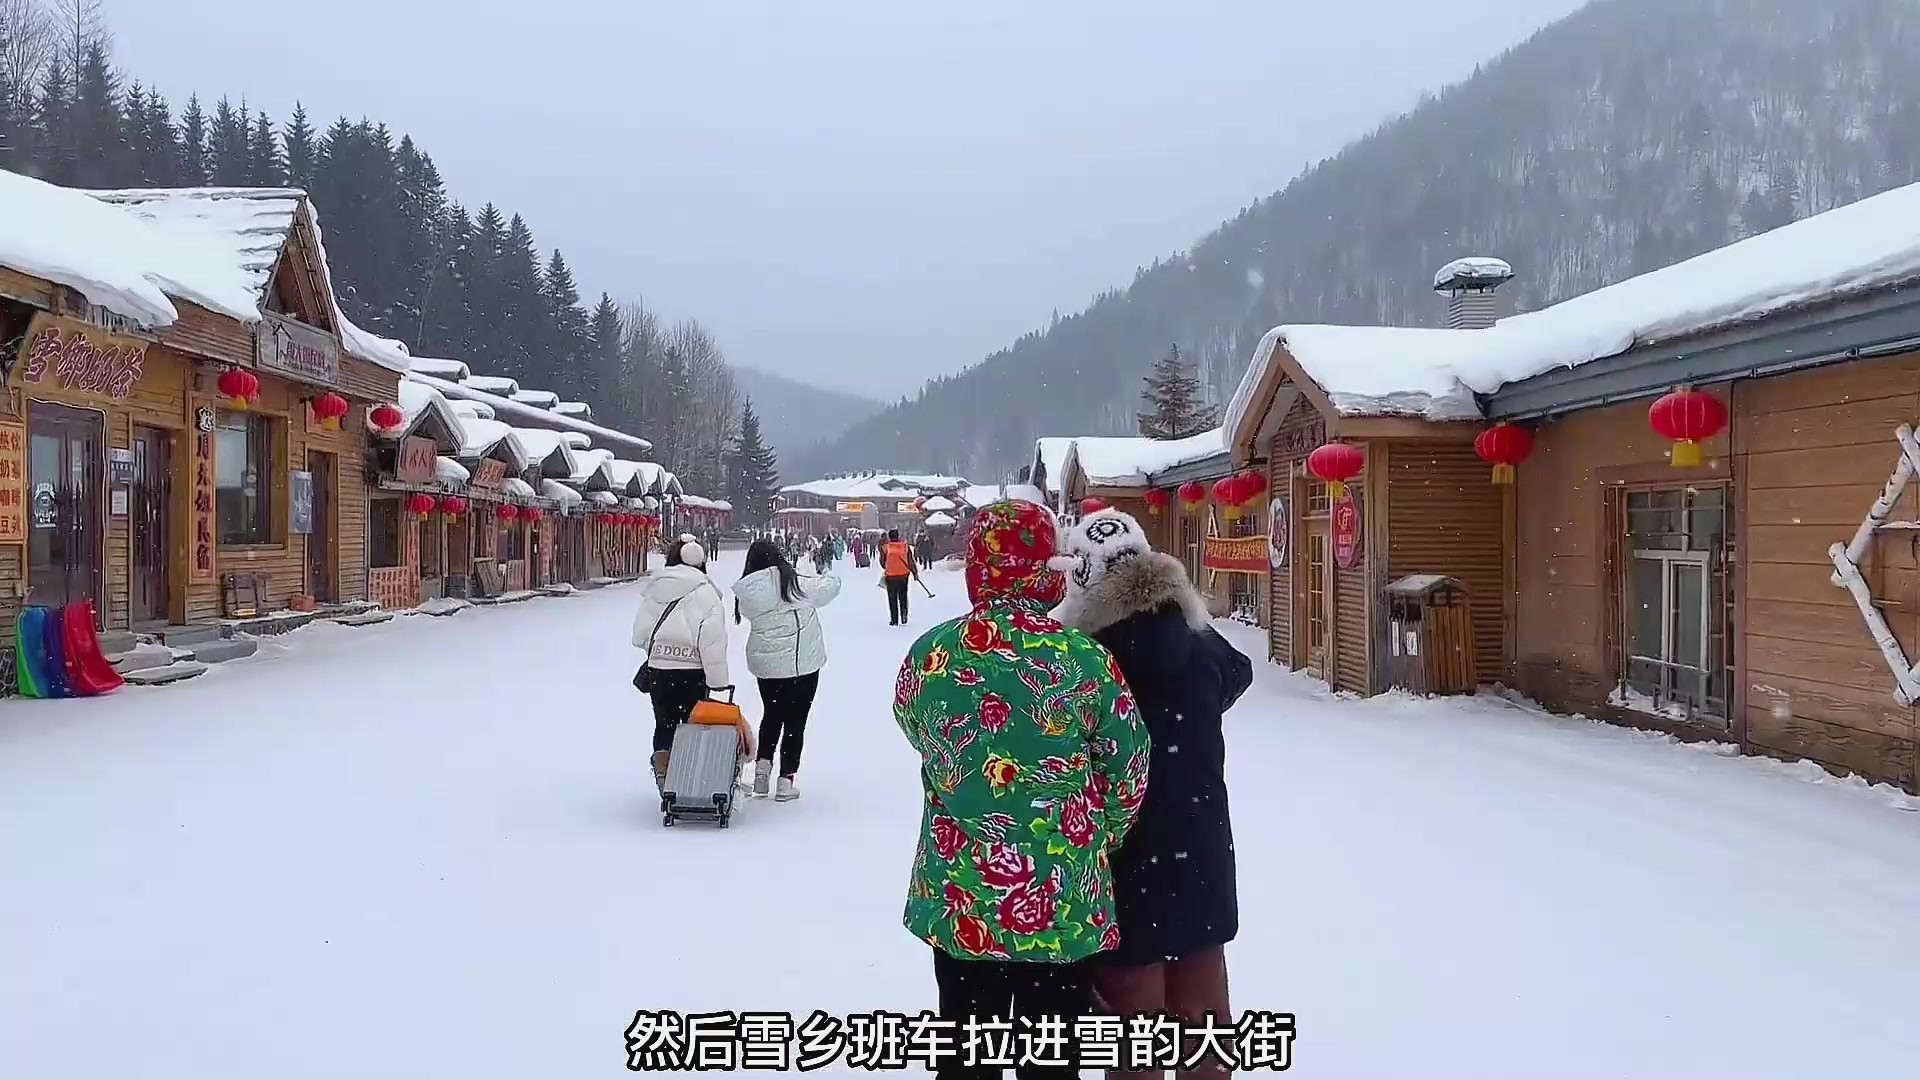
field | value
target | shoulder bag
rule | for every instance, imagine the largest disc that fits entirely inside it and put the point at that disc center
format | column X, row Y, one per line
column 643, row 679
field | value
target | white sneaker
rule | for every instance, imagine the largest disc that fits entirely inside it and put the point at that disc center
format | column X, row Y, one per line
column 762, row 777
column 786, row 792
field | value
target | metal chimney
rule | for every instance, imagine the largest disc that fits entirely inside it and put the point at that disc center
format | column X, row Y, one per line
column 1469, row 284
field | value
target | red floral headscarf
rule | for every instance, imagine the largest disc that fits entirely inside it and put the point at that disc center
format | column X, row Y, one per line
column 1011, row 555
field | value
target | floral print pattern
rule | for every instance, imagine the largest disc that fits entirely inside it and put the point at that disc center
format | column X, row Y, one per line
column 1034, row 761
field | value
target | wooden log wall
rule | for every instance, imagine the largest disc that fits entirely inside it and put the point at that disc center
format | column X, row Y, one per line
column 1299, row 432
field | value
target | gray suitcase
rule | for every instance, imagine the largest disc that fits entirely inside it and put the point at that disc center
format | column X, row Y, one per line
column 702, row 774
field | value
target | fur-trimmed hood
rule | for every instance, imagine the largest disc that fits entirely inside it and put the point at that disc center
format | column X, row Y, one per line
column 1132, row 586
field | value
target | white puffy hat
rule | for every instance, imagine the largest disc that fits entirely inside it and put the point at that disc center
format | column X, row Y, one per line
column 691, row 552
column 1102, row 541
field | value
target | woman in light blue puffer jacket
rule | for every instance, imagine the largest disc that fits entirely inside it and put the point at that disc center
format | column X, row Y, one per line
column 785, row 652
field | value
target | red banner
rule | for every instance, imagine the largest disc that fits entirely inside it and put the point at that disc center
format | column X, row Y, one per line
column 1235, row 554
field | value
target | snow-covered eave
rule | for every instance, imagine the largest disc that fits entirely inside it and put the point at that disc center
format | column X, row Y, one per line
column 505, row 408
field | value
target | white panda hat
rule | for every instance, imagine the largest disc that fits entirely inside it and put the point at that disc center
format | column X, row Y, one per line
column 1102, row 541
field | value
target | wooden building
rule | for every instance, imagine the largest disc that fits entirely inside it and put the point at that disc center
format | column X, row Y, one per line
column 140, row 484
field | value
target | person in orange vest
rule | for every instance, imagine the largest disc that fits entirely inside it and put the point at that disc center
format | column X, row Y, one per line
column 896, row 566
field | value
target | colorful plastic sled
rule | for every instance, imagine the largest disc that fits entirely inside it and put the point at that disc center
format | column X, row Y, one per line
column 29, row 652
column 53, row 647
column 88, row 672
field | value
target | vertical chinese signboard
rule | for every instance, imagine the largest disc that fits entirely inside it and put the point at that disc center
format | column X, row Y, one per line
column 1346, row 531
column 200, row 516
column 13, row 484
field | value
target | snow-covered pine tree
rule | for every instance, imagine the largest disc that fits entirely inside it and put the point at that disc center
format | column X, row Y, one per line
column 1175, row 409
column 193, row 143
column 300, row 149
column 753, row 471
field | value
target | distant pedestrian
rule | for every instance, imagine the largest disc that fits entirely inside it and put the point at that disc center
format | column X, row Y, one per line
column 896, row 567
column 786, row 648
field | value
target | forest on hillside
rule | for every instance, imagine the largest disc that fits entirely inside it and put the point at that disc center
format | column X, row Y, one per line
column 1628, row 136
column 408, row 261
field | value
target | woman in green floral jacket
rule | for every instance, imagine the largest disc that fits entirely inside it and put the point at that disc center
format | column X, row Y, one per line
column 1034, row 761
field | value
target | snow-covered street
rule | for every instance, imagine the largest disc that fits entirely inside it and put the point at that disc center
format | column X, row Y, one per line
column 431, row 848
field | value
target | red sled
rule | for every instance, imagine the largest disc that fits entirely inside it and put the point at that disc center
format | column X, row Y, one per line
column 88, row 672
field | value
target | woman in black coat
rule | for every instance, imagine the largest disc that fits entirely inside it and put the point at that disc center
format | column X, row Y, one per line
column 1174, row 885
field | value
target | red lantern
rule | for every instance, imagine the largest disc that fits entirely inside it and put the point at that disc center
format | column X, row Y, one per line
column 507, row 512
column 1192, row 494
column 1336, row 463
column 1226, row 492
column 1094, row 505
column 452, row 505
column 1255, row 484
column 1685, row 417
column 1504, row 446
column 1157, row 500
column 531, row 515
column 328, row 409
column 386, row 418
column 420, row 505
column 241, row 388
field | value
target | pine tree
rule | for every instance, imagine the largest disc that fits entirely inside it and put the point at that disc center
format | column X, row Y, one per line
column 194, row 167
column 604, row 365
column 13, row 111
column 300, row 149
column 53, row 126
column 1174, row 406
column 566, row 329
column 227, row 145
column 753, row 472
column 265, row 166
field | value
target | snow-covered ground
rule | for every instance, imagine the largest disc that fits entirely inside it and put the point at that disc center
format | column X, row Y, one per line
column 428, row 848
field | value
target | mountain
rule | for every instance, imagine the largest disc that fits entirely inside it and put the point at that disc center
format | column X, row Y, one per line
column 1627, row 136
column 796, row 417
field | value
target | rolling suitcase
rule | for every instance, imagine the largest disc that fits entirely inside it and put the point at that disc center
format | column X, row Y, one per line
column 704, row 768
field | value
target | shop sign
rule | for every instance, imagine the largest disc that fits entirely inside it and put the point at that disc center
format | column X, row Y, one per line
column 1279, row 531
column 416, row 459
column 300, row 502
column 851, row 508
column 81, row 359
column 1346, row 531
column 120, row 465
column 13, row 484
column 200, row 520
column 905, row 508
column 489, row 474
column 296, row 350
column 1300, row 441
column 118, row 501
column 1235, row 554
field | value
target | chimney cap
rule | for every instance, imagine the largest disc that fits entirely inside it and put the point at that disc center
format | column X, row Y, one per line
column 1474, row 273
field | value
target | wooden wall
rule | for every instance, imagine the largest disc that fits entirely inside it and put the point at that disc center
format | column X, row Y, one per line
column 1298, row 434
column 1561, row 634
column 1286, row 461
column 1814, row 451
column 1354, row 589
column 1443, row 515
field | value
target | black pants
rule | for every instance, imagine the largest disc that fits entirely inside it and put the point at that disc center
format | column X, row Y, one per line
column 1011, row 990
column 675, row 692
column 897, row 598
column 787, row 703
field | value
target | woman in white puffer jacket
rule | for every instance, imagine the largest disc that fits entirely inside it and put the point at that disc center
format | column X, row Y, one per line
column 682, row 626
column 785, row 651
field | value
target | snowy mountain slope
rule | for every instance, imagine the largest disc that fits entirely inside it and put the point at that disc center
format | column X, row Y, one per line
column 1628, row 136
column 797, row 416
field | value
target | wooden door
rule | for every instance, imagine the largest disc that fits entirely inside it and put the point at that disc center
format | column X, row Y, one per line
column 320, row 581
column 66, row 485
column 151, row 511
column 1315, row 611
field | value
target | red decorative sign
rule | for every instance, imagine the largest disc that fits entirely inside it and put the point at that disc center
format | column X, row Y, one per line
column 489, row 474
column 1346, row 531
column 1235, row 554
column 13, row 484
column 200, row 558
column 415, row 459
column 81, row 359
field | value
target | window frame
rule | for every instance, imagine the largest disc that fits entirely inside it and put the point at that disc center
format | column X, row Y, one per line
column 262, row 454
column 1712, row 702
column 378, row 507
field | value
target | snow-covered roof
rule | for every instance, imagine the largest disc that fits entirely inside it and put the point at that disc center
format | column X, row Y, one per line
column 579, row 410
column 529, row 416
column 542, row 443
column 1473, row 270
column 876, row 486
column 492, row 384
column 939, row 502
column 479, row 436
column 588, row 462
column 558, row 492
column 1050, row 458
column 513, row 485
column 603, row 498
column 469, row 408
column 1131, row 460
column 417, row 400
column 441, row 368
column 940, row 518
column 1388, row 371
column 984, row 495
column 119, row 261
column 539, row 399
column 448, row 471
column 226, row 242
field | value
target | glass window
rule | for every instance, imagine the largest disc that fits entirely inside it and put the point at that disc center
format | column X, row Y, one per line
column 383, row 532
column 1675, row 615
column 243, row 478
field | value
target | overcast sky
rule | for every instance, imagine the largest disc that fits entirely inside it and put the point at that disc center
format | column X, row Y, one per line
column 859, row 193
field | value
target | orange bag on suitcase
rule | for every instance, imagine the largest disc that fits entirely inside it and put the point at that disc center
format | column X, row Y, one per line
column 710, row 711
